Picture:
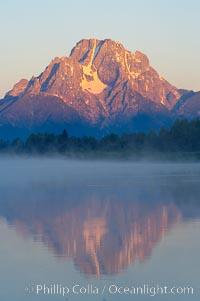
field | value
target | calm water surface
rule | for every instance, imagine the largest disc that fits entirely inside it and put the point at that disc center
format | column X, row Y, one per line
column 102, row 224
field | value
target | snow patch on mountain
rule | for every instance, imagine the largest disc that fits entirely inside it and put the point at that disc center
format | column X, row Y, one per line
column 92, row 83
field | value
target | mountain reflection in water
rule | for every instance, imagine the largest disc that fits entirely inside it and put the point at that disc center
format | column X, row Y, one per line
column 103, row 228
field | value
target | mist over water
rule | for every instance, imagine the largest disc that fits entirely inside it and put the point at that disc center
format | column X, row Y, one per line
column 76, row 221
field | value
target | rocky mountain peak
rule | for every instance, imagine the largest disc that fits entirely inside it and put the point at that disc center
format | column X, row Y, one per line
column 101, row 81
column 18, row 88
column 100, row 69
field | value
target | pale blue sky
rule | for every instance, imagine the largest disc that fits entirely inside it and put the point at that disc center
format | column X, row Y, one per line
column 34, row 32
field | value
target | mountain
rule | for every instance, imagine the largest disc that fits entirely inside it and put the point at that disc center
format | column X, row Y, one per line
column 100, row 88
column 188, row 105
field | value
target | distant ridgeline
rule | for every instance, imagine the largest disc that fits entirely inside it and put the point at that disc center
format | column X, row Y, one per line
column 183, row 138
column 100, row 88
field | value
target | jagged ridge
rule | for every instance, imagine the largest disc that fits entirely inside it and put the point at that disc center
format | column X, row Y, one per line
column 104, row 85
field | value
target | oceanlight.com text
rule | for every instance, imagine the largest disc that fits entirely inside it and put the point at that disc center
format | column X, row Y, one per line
column 108, row 289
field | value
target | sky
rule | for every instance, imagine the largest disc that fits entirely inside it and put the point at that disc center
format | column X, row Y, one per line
column 32, row 33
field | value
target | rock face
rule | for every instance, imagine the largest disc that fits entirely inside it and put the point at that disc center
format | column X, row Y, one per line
column 18, row 88
column 188, row 105
column 100, row 86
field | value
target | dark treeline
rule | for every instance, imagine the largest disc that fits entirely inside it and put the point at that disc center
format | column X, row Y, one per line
column 182, row 137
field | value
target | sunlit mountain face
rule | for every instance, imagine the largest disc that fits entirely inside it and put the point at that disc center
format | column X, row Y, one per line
column 101, row 87
column 103, row 227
